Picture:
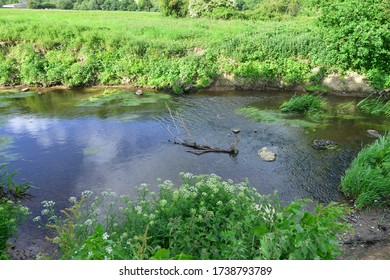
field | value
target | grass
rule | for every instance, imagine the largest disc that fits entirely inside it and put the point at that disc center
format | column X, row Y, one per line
column 82, row 48
column 308, row 104
column 375, row 106
column 368, row 178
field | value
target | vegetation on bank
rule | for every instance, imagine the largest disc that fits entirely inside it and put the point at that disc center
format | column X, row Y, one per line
column 205, row 218
column 73, row 48
column 375, row 106
column 12, row 212
column 368, row 178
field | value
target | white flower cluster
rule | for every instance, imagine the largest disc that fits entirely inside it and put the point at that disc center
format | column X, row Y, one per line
column 87, row 193
column 73, row 199
column 48, row 203
column 106, row 236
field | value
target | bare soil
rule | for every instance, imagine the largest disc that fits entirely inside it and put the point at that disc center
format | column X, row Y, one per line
column 370, row 238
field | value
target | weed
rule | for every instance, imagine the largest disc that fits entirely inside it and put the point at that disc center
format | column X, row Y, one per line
column 368, row 178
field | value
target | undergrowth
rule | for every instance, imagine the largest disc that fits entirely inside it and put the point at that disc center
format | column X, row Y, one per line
column 368, row 178
column 205, row 218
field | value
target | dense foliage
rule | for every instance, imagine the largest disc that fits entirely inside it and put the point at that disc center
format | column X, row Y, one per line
column 357, row 34
column 368, row 178
column 12, row 212
column 206, row 218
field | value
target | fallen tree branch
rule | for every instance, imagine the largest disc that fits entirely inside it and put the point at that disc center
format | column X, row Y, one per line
column 372, row 240
column 198, row 149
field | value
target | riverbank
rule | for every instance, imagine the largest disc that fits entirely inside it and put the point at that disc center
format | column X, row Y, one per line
column 95, row 48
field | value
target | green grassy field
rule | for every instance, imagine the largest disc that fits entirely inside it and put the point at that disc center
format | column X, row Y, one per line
column 83, row 48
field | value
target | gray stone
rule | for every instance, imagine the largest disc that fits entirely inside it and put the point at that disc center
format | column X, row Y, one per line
column 323, row 144
column 267, row 155
column 373, row 133
column 138, row 92
column 236, row 130
column 24, row 89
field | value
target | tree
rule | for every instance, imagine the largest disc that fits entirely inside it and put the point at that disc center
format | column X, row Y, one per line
column 175, row 8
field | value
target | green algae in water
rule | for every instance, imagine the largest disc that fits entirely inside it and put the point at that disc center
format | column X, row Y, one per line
column 275, row 116
column 15, row 94
column 91, row 151
column 6, row 143
column 123, row 98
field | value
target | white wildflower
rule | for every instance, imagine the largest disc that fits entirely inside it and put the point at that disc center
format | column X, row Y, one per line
column 138, row 209
column 88, row 222
column 109, row 249
column 87, row 193
column 48, row 203
column 72, row 199
column 37, row 219
column 105, row 236
column 45, row 212
column 112, row 194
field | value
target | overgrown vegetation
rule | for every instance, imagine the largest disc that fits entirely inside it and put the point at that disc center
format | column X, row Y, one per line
column 12, row 212
column 206, row 218
column 310, row 105
column 368, row 178
column 375, row 106
column 280, row 46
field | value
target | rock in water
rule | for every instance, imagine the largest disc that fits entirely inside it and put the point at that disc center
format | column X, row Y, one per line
column 138, row 92
column 267, row 155
column 324, row 144
column 24, row 89
column 236, row 130
column 373, row 133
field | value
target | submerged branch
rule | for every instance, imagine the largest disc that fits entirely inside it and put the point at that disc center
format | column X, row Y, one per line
column 188, row 141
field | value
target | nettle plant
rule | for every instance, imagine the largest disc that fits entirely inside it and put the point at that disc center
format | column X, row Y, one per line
column 205, row 218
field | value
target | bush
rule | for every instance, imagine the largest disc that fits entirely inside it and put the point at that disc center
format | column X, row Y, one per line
column 12, row 212
column 311, row 105
column 206, row 218
column 368, row 178
column 357, row 34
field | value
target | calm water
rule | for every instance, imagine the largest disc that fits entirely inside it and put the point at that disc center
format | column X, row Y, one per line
column 63, row 145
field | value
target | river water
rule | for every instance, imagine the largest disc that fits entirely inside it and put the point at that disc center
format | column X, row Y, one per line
column 66, row 141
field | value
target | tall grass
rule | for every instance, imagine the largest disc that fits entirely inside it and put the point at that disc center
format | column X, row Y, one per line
column 368, row 178
column 375, row 106
column 310, row 105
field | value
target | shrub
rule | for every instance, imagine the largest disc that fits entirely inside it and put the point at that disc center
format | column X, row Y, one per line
column 368, row 178
column 12, row 212
column 311, row 105
column 206, row 218
column 357, row 34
